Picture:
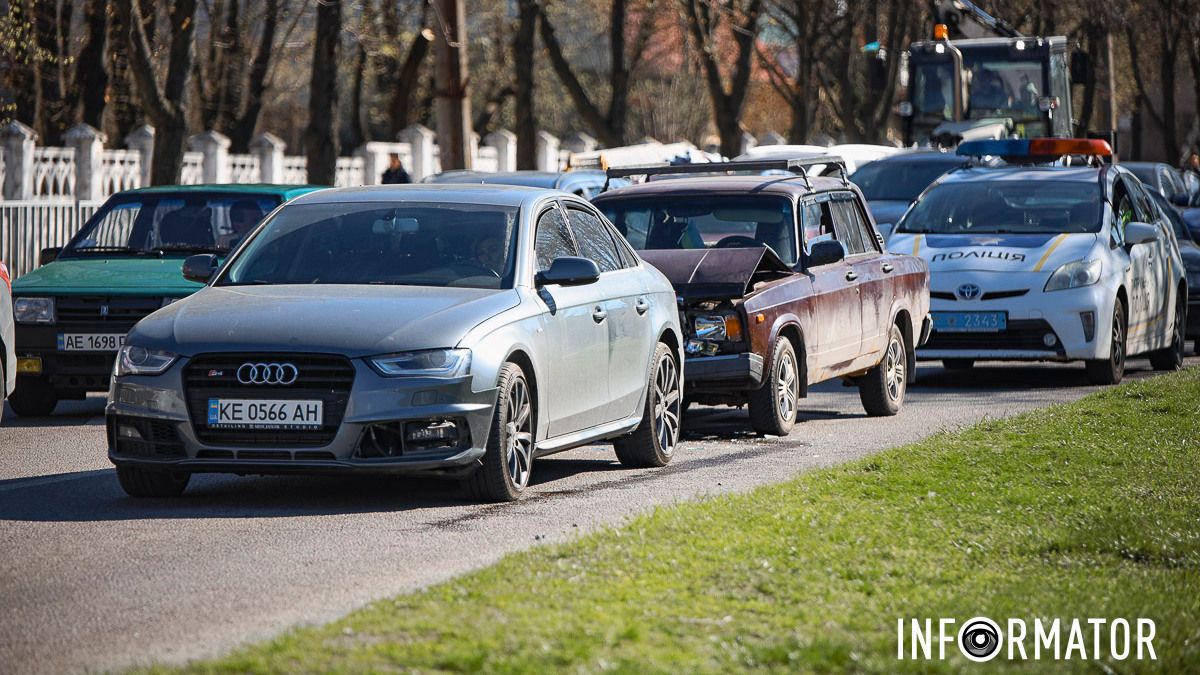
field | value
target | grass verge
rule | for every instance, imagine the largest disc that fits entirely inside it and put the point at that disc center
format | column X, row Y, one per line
column 1090, row 509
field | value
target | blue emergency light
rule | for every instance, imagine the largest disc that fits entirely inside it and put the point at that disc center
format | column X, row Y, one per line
column 1036, row 147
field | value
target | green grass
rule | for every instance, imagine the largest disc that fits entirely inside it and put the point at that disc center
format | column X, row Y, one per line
column 1082, row 510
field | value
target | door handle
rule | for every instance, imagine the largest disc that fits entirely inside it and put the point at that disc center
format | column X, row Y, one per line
column 887, row 268
column 851, row 275
column 598, row 314
column 642, row 306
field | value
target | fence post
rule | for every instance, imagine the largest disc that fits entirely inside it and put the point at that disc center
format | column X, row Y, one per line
column 772, row 138
column 749, row 142
column 141, row 141
column 505, row 143
column 579, row 142
column 215, row 146
column 18, row 160
column 547, row 152
column 268, row 148
column 89, row 161
column 420, row 139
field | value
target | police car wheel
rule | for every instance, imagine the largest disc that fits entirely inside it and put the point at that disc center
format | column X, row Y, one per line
column 958, row 364
column 1171, row 356
column 882, row 388
column 33, row 397
column 1112, row 369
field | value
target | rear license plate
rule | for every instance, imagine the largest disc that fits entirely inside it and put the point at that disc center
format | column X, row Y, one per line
column 90, row 342
column 237, row 413
column 970, row 322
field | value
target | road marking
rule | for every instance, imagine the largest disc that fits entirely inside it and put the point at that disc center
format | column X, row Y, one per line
column 22, row 483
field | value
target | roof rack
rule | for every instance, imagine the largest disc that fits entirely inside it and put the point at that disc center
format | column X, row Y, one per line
column 797, row 165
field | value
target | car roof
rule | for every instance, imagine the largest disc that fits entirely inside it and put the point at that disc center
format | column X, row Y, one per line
column 775, row 185
column 542, row 179
column 977, row 174
column 228, row 188
column 466, row 193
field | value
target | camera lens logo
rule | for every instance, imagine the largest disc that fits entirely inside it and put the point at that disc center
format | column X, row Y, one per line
column 979, row 639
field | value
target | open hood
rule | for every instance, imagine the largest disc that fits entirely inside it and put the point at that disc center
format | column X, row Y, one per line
column 716, row 273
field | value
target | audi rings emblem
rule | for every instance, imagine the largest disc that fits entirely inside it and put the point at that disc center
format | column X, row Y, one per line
column 267, row 373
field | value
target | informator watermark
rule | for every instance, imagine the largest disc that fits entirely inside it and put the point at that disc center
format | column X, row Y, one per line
column 981, row 639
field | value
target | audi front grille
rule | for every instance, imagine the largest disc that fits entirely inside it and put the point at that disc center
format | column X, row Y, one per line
column 324, row 377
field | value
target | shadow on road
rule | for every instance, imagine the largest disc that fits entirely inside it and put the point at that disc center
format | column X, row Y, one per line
column 67, row 413
column 992, row 377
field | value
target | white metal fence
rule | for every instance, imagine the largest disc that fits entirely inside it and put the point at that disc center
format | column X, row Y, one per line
column 27, row 227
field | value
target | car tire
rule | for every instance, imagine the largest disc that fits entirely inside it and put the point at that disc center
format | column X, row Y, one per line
column 1112, row 369
column 508, row 460
column 774, row 405
column 655, row 439
column 1171, row 356
column 3, row 387
column 882, row 388
column 33, row 397
column 152, row 483
column 958, row 364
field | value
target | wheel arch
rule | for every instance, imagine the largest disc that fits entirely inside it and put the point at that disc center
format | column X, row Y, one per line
column 522, row 359
column 903, row 320
column 791, row 331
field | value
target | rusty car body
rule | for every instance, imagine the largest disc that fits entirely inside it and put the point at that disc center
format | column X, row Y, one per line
column 782, row 282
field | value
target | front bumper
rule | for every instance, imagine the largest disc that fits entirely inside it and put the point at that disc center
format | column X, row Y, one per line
column 157, row 407
column 732, row 371
column 1030, row 318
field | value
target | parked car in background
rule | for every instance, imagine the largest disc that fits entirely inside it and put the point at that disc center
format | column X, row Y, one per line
column 853, row 156
column 586, row 183
column 73, row 312
column 8, row 354
column 404, row 329
column 891, row 184
column 1162, row 178
column 1041, row 261
column 781, row 282
column 1189, row 250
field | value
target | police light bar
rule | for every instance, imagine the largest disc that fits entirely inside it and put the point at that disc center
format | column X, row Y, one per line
column 1036, row 148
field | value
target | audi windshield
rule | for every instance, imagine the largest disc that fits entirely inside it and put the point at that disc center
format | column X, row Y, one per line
column 410, row 244
column 1006, row 207
column 158, row 224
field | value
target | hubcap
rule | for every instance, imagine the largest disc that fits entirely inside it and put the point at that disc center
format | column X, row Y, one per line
column 894, row 366
column 1118, row 343
column 667, row 400
column 1179, row 321
column 518, row 448
column 786, row 394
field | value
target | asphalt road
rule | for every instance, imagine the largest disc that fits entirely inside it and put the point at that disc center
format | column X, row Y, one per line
column 90, row 579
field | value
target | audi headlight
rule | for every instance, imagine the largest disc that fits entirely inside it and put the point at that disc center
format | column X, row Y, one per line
column 429, row 363
column 721, row 327
column 33, row 310
column 133, row 360
column 1074, row 275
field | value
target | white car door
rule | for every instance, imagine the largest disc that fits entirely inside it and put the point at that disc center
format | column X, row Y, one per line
column 1155, row 332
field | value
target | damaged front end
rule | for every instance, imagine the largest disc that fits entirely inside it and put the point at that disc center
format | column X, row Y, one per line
column 711, row 286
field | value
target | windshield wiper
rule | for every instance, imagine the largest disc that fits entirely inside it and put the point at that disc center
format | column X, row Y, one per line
column 190, row 249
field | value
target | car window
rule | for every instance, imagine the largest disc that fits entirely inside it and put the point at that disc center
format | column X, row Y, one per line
column 817, row 223
column 1006, row 207
column 553, row 239
column 846, row 227
column 1144, row 211
column 595, row 241
column 898, row 180
column 865, row 231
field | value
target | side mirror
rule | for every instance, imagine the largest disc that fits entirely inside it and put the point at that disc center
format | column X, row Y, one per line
column 48, row 255
column 568, row 271
column 826, row 252
column 1139, row 233
column 200, row 268
column 1080, row 67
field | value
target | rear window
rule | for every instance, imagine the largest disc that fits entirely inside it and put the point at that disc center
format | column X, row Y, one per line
column 1002, row 207
column 899, row 181
column 695, row 222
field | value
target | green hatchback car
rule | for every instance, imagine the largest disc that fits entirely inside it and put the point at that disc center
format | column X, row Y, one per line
column 73, row 312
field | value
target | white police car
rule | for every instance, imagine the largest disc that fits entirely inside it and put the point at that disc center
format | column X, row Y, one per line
column 1040, row 260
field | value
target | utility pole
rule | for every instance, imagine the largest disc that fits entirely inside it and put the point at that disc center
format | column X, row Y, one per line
column 452, row 104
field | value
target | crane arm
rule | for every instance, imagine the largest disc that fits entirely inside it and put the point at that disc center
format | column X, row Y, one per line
column 965, row 19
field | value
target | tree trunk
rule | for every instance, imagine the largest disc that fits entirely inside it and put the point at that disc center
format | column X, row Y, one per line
column 163, row 104
column 91, row 77
column 256, row 83
column 320, row 137
column 451, row 76
column 407, row 81
column 526, row 124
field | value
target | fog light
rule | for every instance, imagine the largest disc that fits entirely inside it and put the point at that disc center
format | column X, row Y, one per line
column 431, row 434
column 1049, row 340
column 29, row 365
column 1088, row 319
column 701, row 348
column 128, row 431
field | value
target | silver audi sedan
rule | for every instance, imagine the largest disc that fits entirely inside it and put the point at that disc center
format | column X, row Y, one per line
column 445, row 330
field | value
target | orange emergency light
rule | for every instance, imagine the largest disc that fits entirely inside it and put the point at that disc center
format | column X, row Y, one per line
column 941, row 32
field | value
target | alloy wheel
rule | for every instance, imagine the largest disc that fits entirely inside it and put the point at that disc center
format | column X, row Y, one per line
column 667, row 398
column 786, row 394
column 518, row 434
column 894, row 370
column 1118, row 342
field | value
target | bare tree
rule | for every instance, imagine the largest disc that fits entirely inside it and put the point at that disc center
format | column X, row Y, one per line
column 610, row 123
column 1157, row 17
column 164, row 103
column 740, row 20
column 398, row 68
column 320, row 137
column 792, row 68
column 91, row 77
